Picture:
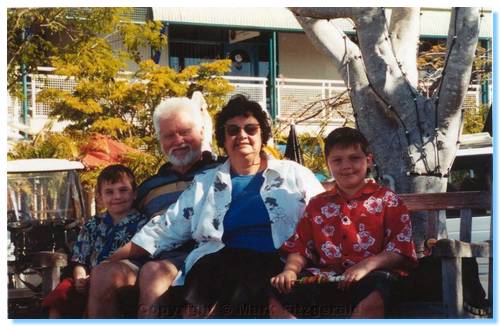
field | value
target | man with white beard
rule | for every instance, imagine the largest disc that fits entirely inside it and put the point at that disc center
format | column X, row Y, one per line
column 179, row 124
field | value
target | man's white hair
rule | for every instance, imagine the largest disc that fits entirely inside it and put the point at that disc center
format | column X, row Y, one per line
column 173, row 105
column 197, row 109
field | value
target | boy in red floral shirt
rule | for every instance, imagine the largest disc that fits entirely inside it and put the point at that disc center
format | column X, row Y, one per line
column 353, row 240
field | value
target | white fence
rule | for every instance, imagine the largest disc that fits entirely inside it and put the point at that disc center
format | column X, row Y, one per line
column 253, row 87
column 293, row 95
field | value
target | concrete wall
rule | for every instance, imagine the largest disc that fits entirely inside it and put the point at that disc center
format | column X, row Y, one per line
column 299, row 59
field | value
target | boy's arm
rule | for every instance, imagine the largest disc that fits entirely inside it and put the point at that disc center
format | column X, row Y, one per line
column 295, row 263
column 80, row 278
column 284, row 281
column 129, row 250
column 79, row 272
column 383, row 260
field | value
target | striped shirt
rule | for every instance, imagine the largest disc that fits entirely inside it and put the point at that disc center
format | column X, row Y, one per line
column 161, row 190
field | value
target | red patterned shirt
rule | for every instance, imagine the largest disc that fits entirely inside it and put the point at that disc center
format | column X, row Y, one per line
column 336, row 233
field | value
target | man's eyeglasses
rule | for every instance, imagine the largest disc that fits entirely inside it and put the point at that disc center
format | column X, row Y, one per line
column 251, row 129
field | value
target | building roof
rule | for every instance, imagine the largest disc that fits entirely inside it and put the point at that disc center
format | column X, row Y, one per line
column 434, row 21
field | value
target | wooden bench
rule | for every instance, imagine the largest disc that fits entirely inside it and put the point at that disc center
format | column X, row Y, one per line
column 450, row 252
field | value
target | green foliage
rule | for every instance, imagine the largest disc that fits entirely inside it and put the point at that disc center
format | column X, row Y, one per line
column 312, row 152
column 312, row 146
column 47, row 145
column 474, row 119
column 144, row 165
column 150, row 35
column 75, row 41
column 431, row 61
column 36, row 35
column 105, row 101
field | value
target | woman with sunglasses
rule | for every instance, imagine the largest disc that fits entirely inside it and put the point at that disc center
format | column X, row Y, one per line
column 239, row 213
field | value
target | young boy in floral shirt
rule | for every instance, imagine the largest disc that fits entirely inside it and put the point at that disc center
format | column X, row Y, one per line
column 98, row 239
column 352, row 241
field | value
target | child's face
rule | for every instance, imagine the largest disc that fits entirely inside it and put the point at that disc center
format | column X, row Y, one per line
column 348, row 166
column 117, row 197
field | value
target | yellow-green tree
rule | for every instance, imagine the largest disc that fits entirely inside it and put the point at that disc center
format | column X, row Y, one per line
column 75, row 41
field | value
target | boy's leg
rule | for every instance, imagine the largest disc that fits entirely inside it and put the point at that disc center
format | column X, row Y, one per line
column 373, row 294
column 155, row 278
column 277, row 311
column 105, row 279
column 370, row 307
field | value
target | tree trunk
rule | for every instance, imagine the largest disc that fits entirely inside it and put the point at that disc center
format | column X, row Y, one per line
column 414, row 138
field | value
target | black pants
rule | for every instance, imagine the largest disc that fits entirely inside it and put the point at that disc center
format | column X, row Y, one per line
column 325, row 300
column 236, row 280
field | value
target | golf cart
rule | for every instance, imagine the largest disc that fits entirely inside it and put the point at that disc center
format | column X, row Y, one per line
column 45, row 210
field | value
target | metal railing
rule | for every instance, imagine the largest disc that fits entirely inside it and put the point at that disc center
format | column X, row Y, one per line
column 293, row 95
column 253, row 87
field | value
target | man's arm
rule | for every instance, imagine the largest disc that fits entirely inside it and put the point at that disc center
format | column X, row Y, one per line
column 129, row 250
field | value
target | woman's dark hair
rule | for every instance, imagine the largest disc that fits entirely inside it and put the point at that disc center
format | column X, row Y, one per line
column 239, row 105
column 345, row 137
column 113, row 174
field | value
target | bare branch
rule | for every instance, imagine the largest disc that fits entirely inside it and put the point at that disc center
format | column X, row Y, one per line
column 325, row 12
column 337, row 46
column 404, row 30
column 462, row 41
column 376, row 49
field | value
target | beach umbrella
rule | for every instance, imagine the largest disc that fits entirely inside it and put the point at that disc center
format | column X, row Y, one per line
column 102, row 150
column 293, row 151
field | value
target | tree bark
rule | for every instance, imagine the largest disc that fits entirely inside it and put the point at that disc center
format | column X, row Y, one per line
column 413, row 138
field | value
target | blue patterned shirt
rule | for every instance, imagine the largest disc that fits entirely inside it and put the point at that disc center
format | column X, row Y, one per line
column 99, row 238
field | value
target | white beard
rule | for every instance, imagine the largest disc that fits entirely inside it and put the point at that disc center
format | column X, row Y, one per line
column 189, row 158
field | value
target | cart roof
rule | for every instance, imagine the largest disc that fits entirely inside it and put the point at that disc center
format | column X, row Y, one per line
column 42, row 165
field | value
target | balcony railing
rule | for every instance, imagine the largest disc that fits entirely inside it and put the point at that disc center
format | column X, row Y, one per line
column 293, row 95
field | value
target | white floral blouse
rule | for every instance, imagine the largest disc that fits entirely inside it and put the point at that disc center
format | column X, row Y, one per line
column 199, row 212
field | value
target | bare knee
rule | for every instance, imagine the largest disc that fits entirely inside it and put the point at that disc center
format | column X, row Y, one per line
column 158, row 269
column 370, row 307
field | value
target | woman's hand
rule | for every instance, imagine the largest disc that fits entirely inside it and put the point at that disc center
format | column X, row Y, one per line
column 82, row 284
column 284, row 281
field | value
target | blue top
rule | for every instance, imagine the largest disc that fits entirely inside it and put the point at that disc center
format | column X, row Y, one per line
column 247, row 224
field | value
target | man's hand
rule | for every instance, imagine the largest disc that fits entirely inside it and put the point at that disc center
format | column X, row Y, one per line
column 82, row 284
column 284, row 281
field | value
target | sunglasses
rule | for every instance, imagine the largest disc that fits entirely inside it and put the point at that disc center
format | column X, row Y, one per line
column 250, row 129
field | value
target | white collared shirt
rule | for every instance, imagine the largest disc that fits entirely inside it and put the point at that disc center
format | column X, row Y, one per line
column 199, row 212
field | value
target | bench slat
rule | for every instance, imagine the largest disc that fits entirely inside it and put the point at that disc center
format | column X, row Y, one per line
column 448, row 200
